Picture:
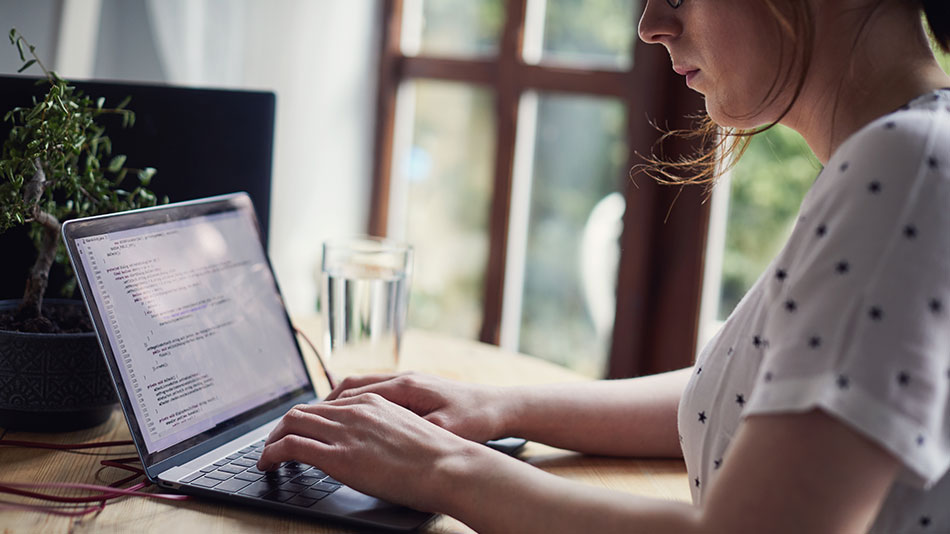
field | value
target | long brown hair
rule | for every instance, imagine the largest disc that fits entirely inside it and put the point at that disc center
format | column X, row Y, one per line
column 719, row 147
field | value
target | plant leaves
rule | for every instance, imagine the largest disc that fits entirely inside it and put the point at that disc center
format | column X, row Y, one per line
column 116, row 163
column 26, row 65
column 146, row 174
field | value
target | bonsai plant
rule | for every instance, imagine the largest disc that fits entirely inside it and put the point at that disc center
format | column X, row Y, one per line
column 56, row 165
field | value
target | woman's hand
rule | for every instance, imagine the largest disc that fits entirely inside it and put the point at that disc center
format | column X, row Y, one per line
column 472, row 411
column 376, row 447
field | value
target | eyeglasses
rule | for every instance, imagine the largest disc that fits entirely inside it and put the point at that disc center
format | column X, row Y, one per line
column 674, row 3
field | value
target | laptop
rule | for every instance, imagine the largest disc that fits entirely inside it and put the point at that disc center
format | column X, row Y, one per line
column 203, row 355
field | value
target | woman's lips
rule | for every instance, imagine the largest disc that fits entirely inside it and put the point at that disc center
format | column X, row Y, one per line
column 688, row 71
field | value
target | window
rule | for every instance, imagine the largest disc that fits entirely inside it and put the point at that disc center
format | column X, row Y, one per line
column 506, row 131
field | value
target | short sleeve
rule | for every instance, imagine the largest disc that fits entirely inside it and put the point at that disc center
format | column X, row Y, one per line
column 858, row 324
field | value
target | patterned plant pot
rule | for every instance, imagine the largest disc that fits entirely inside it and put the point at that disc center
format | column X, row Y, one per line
column 52, row 382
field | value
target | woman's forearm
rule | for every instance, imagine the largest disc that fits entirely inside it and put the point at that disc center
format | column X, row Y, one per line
column 500, row 494
column 631, row 417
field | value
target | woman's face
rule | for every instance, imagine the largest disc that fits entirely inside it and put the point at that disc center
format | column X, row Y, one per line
column 728, row 50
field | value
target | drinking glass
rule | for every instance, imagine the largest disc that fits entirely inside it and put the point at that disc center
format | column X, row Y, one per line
column 365, row 303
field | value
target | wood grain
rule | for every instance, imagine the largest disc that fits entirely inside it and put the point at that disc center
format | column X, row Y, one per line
column 460, row 359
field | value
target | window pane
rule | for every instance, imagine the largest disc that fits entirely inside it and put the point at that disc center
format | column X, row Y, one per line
column 464, row 28
column 768, row 186
column 590, row 33
column 449, row 173
column 573, row 231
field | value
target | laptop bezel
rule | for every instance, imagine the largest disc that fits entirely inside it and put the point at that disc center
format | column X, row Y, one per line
column 161, row 460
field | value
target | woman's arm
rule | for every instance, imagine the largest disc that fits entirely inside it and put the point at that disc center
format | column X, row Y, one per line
column 783, row 474
column 632, row 417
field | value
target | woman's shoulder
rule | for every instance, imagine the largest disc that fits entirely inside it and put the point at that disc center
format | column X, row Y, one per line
column 913, row 138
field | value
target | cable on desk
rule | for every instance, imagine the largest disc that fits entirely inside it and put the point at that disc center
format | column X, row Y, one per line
column 323, row 365
column 77, row 506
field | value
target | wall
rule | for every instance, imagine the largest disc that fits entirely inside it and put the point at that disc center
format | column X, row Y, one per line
column 320, row 60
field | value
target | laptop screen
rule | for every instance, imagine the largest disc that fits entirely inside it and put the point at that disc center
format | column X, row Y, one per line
column 194, row 321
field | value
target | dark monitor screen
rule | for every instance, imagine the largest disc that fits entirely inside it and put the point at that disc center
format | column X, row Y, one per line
column 203, row 142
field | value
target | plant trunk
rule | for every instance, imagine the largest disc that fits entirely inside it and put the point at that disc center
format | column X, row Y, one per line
column 32, row 303
column 36, row 284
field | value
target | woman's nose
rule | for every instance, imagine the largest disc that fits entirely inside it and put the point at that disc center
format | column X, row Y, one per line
column 659, row 23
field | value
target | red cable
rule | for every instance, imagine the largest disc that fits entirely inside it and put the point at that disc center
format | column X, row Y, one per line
column 72, row 506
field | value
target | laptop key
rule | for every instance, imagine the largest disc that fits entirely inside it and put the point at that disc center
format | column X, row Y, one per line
column 280, row 495
column 302, row 502
column 325, row 487
column 218, row 475
column 254, row 456
column 245, row 450
column 206, row 482
column 312, row 493
column 244, row 463
column 294, row 467
column 250, row 477
column 232, row 485
column 331, row 480
column 191, row 477
column 306, row 480
column 314, row 472
column 220, row 462
column 293, row 486
column 233, row 469
column 258, row 489
column 255, row 470
column 208, row 469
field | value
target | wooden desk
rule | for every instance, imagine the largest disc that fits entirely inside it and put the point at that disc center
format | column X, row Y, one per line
column 465, row 360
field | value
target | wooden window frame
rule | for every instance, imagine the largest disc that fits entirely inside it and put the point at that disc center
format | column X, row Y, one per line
column 662, row 245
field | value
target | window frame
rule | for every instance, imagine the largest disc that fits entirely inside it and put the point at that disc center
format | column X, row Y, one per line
column 659, row 281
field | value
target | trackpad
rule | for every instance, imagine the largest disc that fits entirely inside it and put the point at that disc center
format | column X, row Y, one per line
column 350, row 503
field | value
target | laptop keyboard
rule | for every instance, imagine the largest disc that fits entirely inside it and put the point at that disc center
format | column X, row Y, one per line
column 294, row 483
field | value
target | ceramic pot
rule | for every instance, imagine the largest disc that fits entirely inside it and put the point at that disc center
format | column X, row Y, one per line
column 52, row 382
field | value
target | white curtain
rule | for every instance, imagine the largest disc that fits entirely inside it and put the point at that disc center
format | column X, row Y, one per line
column 200, row 42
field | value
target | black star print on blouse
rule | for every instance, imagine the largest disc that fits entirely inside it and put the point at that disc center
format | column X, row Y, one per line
column 814, row 342
column 924, row 521
column 903, row 378
column 890, row 125
column 842, row 267
column 935, row 306
column 702, row 417
column 781, row 275
column 821, row 230
column 876, row 313
column 768, row 376
column 874, row 187
column 843, row 382
column 910, row 231
column 697, row 482
column 844, row 166
column 756, row 341
column 717, row 463
column 699, row 370
column 790, row 305
column 740, row 399
column 932, row 162
column 920, row 440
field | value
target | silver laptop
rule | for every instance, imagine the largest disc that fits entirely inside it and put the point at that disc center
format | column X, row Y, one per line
column 204, row 357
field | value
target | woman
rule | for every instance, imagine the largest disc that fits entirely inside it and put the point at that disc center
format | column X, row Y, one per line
column 821, row 405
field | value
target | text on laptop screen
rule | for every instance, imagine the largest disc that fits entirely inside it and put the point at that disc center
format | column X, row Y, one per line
column 195, row 321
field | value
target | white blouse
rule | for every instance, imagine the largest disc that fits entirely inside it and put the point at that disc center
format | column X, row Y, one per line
column 852, row 317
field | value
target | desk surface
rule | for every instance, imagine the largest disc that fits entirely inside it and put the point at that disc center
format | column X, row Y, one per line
column 464, row 360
